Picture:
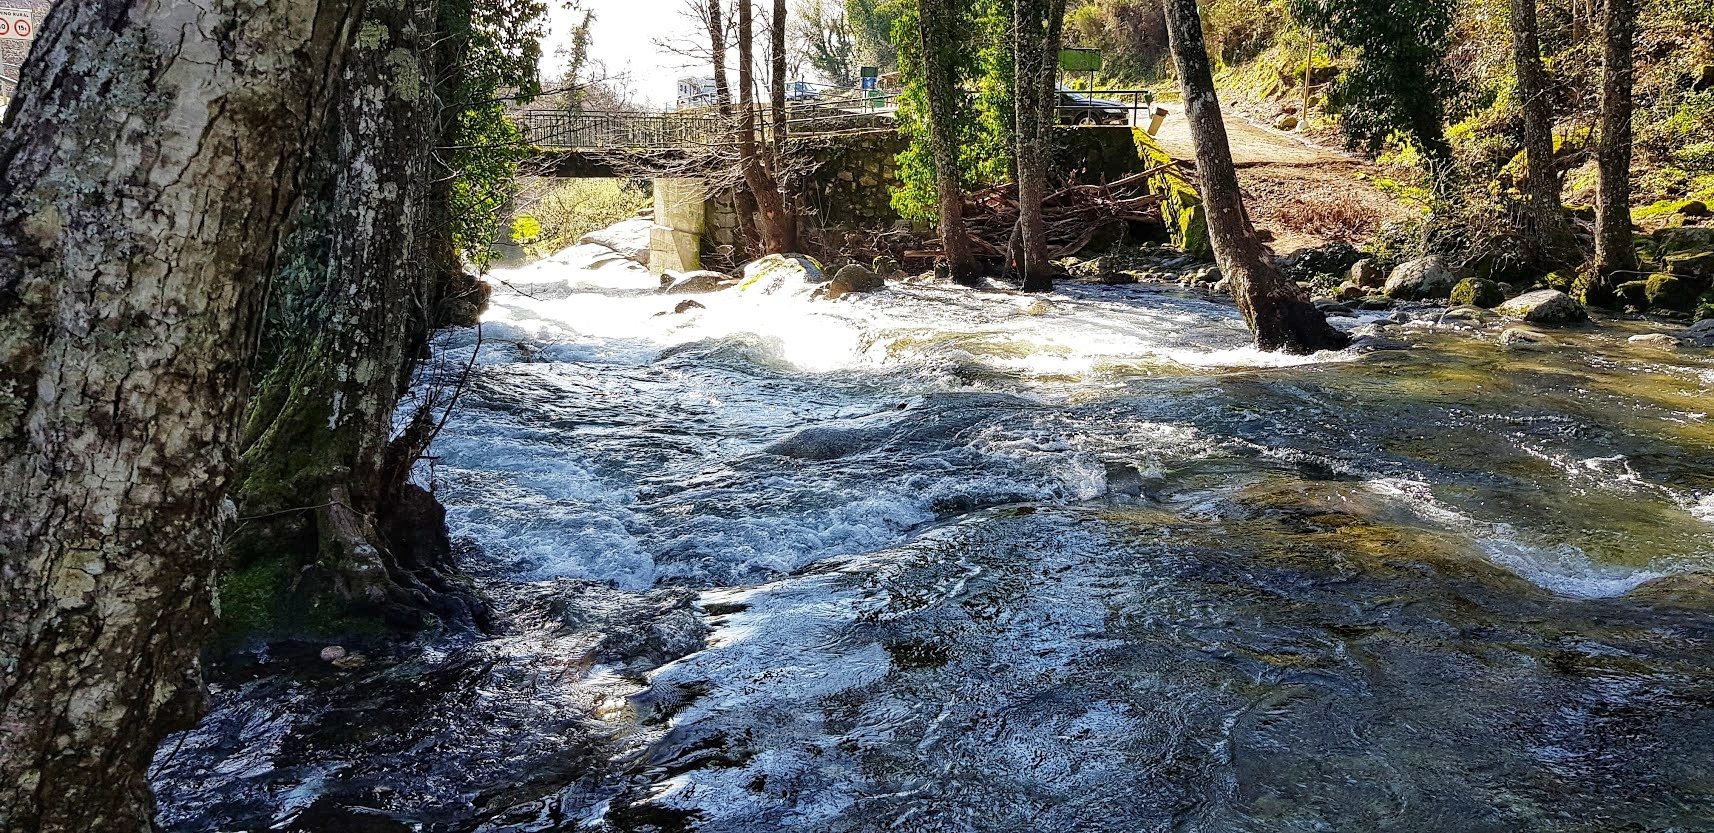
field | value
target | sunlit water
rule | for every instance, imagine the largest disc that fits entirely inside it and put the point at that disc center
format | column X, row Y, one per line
column 936, row 559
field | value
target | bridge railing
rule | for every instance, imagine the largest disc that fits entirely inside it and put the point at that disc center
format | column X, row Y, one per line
column 561, row 128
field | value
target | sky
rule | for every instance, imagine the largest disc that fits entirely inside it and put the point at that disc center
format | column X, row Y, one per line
column 623, row 37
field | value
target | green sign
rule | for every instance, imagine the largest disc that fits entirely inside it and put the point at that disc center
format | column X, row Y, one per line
column 869, row 72
column 1080, row 60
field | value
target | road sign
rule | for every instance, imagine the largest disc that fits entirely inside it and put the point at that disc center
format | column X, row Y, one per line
column 1072, row 59
column 17, row 24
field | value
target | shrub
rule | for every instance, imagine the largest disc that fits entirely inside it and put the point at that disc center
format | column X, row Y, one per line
column 554, row 213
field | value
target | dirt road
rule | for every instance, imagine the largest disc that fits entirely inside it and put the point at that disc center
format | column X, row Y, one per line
column 1303, row 194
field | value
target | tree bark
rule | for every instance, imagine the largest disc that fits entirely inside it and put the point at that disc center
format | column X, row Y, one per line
column 354, row 302
column 936, row 22
column 1547, row 237
column 1615, row 248
column 1276, row 309
column 1036, row 29
column 147, row 169
column 778, row 236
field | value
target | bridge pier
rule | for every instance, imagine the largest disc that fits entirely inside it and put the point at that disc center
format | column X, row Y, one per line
column 675, row 241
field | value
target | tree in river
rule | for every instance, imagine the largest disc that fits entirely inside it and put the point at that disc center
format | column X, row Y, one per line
column 779, row 227
column 936, row 38
column 1543, row 226
column 1276, row 309
column 147, row 169
column 406, row 183
column 1036, row 29
column 1615, row 249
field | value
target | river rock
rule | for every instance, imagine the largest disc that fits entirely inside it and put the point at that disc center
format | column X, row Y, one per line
column 1673, row 292
column 696, row 283
column 1478, row 292
column 1464, row 316
column 1349, row 291
column 1310, row 264
column 776, row 273
column 630, row 238
column 1661, row 340
column 1426, row 277
column 1700, row 334
column 1519, row 338
column 1693, row 264
column 683, row 307
column 1545, row 306
column 852, row 278
column 1367, row 273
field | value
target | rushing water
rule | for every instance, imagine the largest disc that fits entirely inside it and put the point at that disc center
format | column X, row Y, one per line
column 936, row 559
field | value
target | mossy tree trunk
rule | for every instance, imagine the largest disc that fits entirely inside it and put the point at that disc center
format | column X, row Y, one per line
column 324, row 489
column 937, row 32
column 1276, row 309
column 1615, row 249
column 1036, row 29
column 147, row 170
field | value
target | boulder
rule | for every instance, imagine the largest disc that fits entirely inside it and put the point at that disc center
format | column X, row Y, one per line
column 781, row 273
column 1426, row 277
column 682, row 307
column 1561, row 279
column 1704, row 307
column 1349, row 291
column 695, row 283
column 1333, row 309
column 1309, row 264
column 1518, row 338
column 1477, row 292
column 1375, row 302
column 1661, row 340
column 630, row 238
column 1367, row 273
column 1286, row 122
column 1693, row 264
column 1700, row 334
column 849, row 279
column 1545, row 306
column 1685, row 239
column 1693, row 208
column 1672, row 292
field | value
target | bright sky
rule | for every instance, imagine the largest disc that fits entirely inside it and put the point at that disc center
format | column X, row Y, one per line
column 623, row 37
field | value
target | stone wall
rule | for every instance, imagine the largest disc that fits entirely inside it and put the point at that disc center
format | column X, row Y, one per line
column 852, row 179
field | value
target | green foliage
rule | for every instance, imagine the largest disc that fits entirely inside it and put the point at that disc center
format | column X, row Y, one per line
column 1131, row 35
column 495, row 46
column 984, row 65
column 571, row 208
column 872, row 24
column 1397, row 81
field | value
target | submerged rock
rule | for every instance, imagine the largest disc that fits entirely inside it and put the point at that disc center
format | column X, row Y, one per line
column 1426, row 277
column 1545, row 306
column 1464, row 316
column 1654, row 340
column 696, row 283
column 1518, row 338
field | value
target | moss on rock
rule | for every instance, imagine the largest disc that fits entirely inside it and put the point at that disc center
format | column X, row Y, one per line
column 1477, row 292
column 1666, row 291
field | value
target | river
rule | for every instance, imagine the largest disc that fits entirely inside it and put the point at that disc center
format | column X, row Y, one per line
column 935, row 559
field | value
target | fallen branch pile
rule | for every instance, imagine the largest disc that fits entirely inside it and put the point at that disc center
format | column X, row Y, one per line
column 1071, row 216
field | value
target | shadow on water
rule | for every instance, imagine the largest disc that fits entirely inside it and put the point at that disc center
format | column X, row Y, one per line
column 966, row 562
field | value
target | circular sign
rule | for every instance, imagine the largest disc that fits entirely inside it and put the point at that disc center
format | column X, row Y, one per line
column 22, row 28
column 5, row 26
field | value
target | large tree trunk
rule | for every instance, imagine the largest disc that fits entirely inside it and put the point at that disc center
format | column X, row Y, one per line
column 936, row 29
column 1547, row 237
column 1615, row 248
column 147, row 169
column 778, row 236
column 1278, row 312
column 1035, row 48
column 354, row 301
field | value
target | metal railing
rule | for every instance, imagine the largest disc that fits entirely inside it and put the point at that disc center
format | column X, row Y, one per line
column 824, row 114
